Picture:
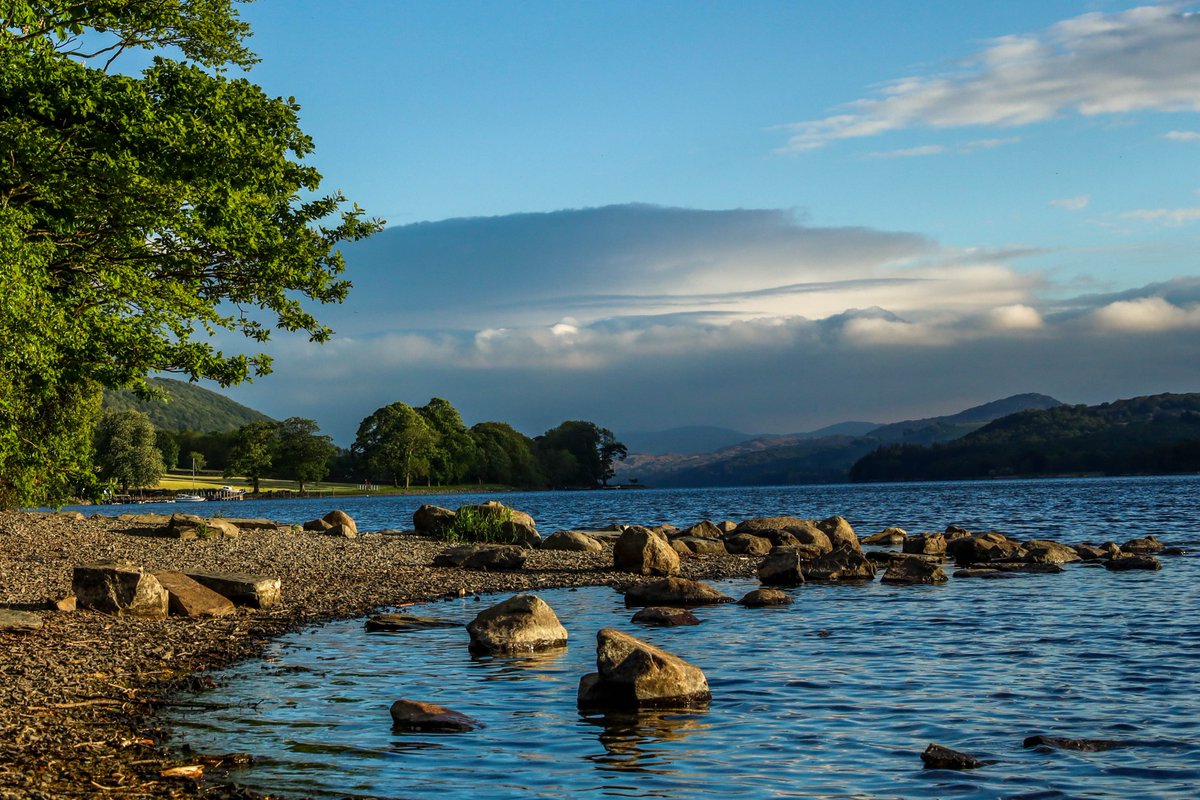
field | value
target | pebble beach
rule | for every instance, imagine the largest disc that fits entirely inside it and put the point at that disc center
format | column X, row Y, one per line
column 78, row 694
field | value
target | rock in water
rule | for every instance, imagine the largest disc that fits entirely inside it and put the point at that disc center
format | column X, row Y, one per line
column 633, row 674
column 887, row 536
column 914, row 570
column 1126, row 563
column 760, row 598
column 665, row 617
column 519, row 624
column 119, row 589
column 642, row 551
column 933, row 544
column 674, row 592
column 938, row 757
column 1083, row 745
column 413, row 715
column 840, row 532
column 844, row 564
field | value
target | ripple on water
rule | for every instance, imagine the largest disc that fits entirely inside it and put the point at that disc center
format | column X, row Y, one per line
column 833, row 697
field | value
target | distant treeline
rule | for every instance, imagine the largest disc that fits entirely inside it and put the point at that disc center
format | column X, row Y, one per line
column 1159, row 434
column 403, row 445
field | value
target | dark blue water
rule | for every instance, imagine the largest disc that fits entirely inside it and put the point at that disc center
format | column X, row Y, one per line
column 832, row 697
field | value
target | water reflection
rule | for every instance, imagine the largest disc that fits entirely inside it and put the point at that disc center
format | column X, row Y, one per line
column 541, row 665
column 637, row 741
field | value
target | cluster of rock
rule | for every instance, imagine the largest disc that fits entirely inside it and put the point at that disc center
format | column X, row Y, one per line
column 128, row 590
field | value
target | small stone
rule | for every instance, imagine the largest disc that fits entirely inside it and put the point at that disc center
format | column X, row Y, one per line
column 64, row 605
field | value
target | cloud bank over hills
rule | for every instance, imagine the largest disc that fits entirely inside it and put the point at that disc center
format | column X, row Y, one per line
column 644, row 317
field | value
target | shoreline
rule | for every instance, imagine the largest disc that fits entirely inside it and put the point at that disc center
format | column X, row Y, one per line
column 78, row 696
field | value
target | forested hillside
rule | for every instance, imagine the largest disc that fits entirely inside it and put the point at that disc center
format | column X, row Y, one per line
column 188, row 408
column 1144, row 435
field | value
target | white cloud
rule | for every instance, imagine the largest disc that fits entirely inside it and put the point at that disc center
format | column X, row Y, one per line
column 1183, row 136
column 1166, row 216
column 1145, row 314
column 1014, row 318
column 911, row 152
column 1143, row 59
column 1077, row 203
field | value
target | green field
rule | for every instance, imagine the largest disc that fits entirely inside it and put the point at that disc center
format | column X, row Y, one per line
column 182, row 481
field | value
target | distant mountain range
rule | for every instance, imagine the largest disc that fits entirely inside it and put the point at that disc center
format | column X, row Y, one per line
column 1155, row 435
column 696, row 439
column 188, row 408
column 823, row 456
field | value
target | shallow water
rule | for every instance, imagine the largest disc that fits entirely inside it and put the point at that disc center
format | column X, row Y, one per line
column 832, row 697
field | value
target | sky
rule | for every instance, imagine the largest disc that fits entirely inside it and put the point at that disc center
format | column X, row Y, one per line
column 767, row 216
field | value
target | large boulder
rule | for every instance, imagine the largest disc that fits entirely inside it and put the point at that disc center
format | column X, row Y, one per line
column 760, row 526
column 119, row 589
column 497, row 510
column 413, row 715
column 482, row 557
column 255, row 591
column 674, row 592
column 841, row 534
column 642, row 551
column 843, row 564
column 519, row 624
column 980, row 548
column 431, row 520
column 571, row 541
column 912, row 570
column 634, row 674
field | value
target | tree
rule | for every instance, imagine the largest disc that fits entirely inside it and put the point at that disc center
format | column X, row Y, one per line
column 168, row 446
column 196, row 460
column 394, row 441
column 125, row 450
column 453, row 454
column 593, row 449
column 505, row 456
column 303, row 455
column 141, row 214
column 253, row 452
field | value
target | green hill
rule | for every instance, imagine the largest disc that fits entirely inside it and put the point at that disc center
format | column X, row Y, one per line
column 188, row 408
column 1145, row 435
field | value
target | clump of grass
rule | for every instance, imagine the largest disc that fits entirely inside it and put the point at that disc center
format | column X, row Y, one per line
column 205, row 532
column 473, row 525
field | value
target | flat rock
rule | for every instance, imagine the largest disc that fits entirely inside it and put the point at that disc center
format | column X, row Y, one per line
column 1046, row 551
column 414, row 715
column 252, row 524
column 255, row 591
column 404, row 623
column 1026, row 567
column 18, row 621
column 674, row 592
column 189, row 598
column 519, row 624
column 665, row 617
column 482, row 557
column 702, row 546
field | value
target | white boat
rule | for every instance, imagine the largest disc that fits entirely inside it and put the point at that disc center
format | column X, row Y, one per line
column 189, row 498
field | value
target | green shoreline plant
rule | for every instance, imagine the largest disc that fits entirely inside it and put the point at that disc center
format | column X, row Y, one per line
column 472, row 525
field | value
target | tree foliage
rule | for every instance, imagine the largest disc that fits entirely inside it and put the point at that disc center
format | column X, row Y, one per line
column 254, row 452
column 125, row 450
column 141, row 214
column 453, row 454
column 505, row 456
column 302, row 454
column 395, row 442
column 592, row 449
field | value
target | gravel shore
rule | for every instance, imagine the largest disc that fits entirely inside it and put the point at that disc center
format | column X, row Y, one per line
column 77, row 697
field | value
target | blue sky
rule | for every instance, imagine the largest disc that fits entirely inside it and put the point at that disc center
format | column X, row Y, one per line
column 765, row 215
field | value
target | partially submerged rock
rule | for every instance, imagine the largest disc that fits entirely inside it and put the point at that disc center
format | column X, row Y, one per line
column 925, row 544
column 782, row 568
column 1126, row 563
column 119, row 589
column 938, row 757
column 914, row 570
column 887, row 537
column 839, row 532
column 413, row 715
column 1083, row 745
column 665, row 617
column 523, row 623
column 1142, row 545
column 841, row 565
column 1045, row 551
column 404, row 623
column 760, row 598
column 674, row 592
column 634, row 674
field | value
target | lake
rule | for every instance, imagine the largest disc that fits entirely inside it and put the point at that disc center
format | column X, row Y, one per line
column 832, row 697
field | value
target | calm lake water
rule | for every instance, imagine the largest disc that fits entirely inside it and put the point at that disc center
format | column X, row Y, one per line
column 833, row 697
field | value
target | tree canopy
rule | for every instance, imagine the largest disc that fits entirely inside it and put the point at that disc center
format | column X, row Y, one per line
column 141, row 214
column 125, row 450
